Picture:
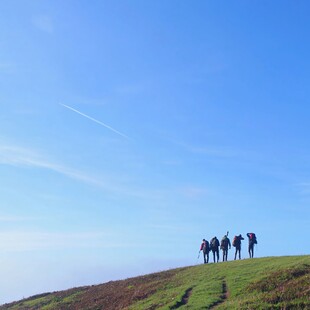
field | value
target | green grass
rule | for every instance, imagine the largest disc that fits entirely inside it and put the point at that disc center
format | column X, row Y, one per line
column 58, row 301
column 241, row 278
column 260, row 283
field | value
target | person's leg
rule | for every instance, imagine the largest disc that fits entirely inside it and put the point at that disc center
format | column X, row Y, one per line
column 213, row 251
column 239, row 252
column 204, row 257
column 207, row 257
column 252, row 250
column 235, row 254
column 218, row 255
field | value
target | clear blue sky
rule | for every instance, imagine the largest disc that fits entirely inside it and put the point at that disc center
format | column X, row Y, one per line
column 130, row 130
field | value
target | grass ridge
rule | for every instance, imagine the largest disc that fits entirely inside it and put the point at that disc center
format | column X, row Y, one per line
column 259, row 283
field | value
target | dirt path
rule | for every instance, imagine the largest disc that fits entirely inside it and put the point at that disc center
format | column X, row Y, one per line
column 184, row 300
column 224, row 296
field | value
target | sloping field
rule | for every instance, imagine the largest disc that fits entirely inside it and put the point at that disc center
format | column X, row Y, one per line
column 261, row 283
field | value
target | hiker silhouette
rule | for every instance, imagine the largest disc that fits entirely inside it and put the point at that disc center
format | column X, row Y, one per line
column 214, row 245
column 205, row 248
column 252, row 242
column 237, row 245
column 225, row 243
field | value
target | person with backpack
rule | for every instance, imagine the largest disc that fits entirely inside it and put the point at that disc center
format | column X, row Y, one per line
column 252, row 242
column 237, row 245
column 225, row 243
column 214, row 245
column 205, row 248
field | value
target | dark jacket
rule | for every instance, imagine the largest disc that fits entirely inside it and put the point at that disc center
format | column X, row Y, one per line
column 205, row 246
column 252, row 238
column 237, row 242
column 225, row 243
column 214, row 244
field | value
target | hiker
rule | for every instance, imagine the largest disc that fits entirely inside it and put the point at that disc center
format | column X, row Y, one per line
column 252, row 241
column 205, row 248
column 225, row 243
column 237, row 245
column 214, row 245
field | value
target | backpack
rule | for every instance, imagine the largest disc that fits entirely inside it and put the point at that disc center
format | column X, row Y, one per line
column 206, row 247
column 236, row 241
column 224, row 243
column 253, row 238
column 213, row 243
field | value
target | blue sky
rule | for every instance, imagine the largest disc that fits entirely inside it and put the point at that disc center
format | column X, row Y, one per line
column 130, row 130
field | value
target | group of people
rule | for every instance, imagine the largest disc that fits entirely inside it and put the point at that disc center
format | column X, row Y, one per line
column 214, row 245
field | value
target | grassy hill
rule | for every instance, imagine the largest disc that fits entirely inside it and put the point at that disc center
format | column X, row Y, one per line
column 260, row 283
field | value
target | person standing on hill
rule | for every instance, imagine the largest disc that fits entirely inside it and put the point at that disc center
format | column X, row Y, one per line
column 252, row 241
column 205, row 248
column 225, row 243
column 214, row 244
column 237, row 245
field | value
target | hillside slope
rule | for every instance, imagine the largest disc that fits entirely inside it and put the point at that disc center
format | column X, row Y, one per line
column 262, row 283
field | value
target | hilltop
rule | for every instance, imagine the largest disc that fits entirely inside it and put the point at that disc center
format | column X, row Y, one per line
column 259, row 283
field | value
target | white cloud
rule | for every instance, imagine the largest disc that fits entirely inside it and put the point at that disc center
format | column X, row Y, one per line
column 17, row 156
column 95, row 120
column 44, row 23
column 22, row 157
column 29, row 241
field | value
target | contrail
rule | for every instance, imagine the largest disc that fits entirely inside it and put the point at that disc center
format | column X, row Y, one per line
column 95, row 120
